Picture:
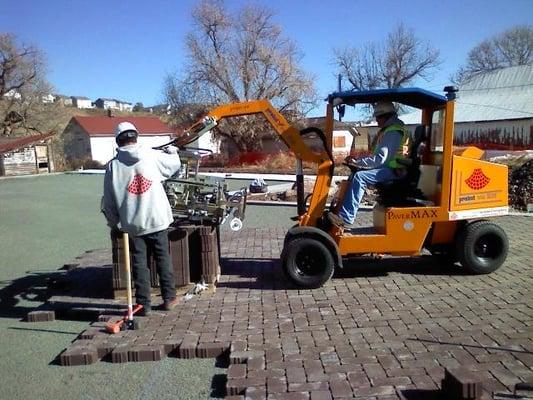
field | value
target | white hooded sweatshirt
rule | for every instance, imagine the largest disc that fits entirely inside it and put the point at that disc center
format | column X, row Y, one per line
column 134, row 198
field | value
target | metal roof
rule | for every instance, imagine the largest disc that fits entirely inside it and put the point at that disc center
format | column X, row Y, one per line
column 414, row 97
column 8, row 144
column 503, row 94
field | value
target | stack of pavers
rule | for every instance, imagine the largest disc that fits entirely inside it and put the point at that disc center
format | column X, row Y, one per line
column 194, row 255
column 210, row 265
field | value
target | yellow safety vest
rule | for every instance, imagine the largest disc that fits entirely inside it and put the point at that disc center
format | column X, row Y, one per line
column 402, row 153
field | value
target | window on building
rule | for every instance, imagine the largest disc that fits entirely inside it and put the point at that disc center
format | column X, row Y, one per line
column 339, row 141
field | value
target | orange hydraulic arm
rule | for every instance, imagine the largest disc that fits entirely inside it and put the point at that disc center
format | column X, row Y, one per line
column 290, row 135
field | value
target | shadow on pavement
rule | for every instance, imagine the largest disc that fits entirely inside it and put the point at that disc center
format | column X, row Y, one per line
column 218, row 386
column 418, row 265
column 85, row 284
column 266, row 273
column 420, row 394
column 253, row 273
column 33, row 287
column 43, row 330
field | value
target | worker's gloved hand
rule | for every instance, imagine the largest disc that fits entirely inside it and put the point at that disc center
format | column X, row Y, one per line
column 170, row 149
column 116, row 232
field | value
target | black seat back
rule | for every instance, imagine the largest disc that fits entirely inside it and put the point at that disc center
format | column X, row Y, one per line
column 419, row 137
column 413, row 166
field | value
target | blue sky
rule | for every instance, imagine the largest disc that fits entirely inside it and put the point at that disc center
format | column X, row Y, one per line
column 123, row 49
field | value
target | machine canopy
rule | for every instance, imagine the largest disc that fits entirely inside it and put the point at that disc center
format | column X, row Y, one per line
column 414, row 97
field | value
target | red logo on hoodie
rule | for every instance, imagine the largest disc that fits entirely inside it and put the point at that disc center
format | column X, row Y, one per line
column 139, row 185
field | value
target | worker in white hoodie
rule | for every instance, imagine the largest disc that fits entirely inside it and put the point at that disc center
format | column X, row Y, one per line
column 135, row 202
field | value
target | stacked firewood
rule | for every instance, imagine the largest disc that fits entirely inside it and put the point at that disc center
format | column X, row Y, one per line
column 521, row 186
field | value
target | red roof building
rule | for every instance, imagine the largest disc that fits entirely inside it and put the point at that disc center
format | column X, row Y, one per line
column 93, row 137
column 102, row 126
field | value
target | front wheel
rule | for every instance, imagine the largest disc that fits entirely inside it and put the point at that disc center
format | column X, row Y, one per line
column 307, row 262
column 482, row 247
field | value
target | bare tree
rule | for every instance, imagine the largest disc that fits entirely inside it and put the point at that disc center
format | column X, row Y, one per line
column 240, row 57
column 22, row 89
column 395, row 62
column 507, row 49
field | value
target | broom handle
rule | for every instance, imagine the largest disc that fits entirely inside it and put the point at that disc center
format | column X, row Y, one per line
column 128, row 275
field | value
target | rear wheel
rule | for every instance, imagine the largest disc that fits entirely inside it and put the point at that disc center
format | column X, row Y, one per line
column 482, row 247
column 307, row 262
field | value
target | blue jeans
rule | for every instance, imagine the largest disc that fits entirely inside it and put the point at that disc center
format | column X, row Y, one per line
column 355, row 192
column 157, row 244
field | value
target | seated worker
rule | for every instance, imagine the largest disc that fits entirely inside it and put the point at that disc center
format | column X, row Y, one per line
column 391, row 144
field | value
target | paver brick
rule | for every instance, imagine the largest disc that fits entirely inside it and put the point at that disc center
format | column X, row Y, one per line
column 340, row 388
column 78, row 356
column 236, row 386
column 210, row 350
column 237, row 371
column 461, row 384
column 41, row 316
column 138, row 353
column 321, row 395
column 255, row 393
column 120, row 354
column 378, row 334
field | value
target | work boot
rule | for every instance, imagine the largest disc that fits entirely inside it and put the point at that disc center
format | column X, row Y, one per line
column 144, row 312
column 350, row 162
column 335, row 220
column 171, row 304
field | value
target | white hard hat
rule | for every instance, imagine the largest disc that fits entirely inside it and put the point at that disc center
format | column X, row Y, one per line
column 384, row 107
column 124, row 127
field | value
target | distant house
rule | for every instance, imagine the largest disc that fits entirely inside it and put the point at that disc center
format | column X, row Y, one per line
column 25, row 155
column 113, row 104
column 346, row 135
column 493, row 110
column 125, row 106
column 63, row 100
column 81, row 102
column 94, row 137
column 49, row 98
column 207, row 141
column 12, row 94
column 159, row 109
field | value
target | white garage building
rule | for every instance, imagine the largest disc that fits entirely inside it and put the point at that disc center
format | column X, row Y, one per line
column 93, row 137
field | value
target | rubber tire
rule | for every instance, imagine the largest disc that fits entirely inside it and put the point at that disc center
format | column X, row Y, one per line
column 467, row 250
column 291, row 257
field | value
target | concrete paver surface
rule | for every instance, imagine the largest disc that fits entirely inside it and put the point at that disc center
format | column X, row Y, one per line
column 376, row 329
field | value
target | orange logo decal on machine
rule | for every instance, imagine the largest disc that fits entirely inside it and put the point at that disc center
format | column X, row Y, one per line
column 477, row 180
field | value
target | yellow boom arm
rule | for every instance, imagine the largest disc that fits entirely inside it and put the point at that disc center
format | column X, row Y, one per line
column 289, row 134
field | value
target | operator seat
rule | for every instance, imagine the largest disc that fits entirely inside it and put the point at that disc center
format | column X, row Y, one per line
column 404, row 192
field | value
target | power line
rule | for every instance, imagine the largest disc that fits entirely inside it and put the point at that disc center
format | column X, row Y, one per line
column 495, row 87
column 496, row 107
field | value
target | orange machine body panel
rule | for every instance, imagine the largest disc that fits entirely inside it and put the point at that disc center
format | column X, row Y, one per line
column 478, row 189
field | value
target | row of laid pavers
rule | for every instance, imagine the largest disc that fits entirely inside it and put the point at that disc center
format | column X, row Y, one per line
column 373, row 331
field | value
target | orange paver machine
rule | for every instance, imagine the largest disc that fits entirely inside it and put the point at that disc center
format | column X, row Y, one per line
column 441, row 205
